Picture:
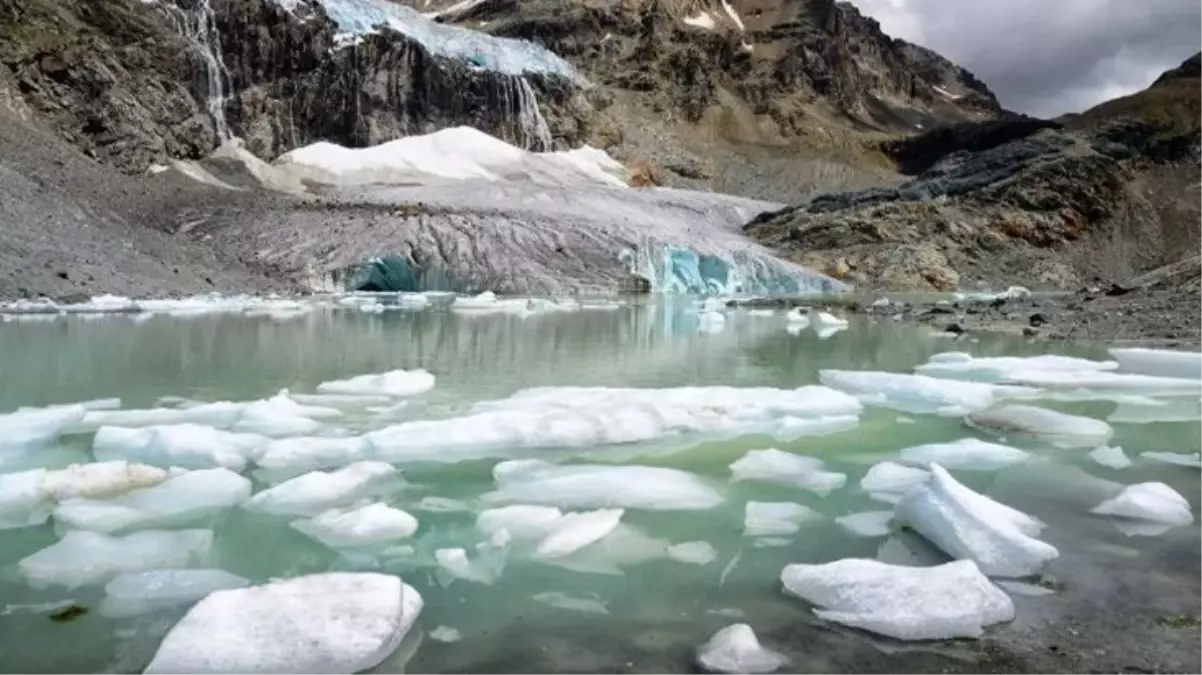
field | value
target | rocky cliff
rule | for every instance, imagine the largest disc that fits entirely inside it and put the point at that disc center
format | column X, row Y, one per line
column 1109, row 193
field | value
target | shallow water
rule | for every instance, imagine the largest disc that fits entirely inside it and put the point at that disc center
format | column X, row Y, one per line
column 652, row 615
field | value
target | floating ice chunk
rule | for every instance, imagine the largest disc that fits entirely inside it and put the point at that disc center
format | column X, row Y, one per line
column 487, row 302
column 1113, row 457
column 23, row 501
column 693, row 552
column 735, row 649
column 1099, row 382
column 1159, row 362
column 796, row 321
column 341, row 401
column 970, row 526
column 1154, row 502
column 576, row 604
column 365, row 526
column 711, row 322
column 35, row 427
column 454, row 561
column 27, row 498
column 392, row 383
column 1060, row 428
column 134, row 593
column 826, row 320
column 866, row 524
column 761, row 313
column 790, row 428
column 893, row 478
column 1151, row 411
column 307, row 453
column 81, row 558
column 191, row 495
column 952, row 600
column 961, row 366
column 522, row 521
column 103, row 304
column 445, row 634
column 919, row 393
column 1178, row 458
column 774, row 518
column 774, row 466
column 825, row 332
column 967, row 453
column 320, row 623
column 574, row 531
column 604, row 486
column 221, row 415
column 318, row 491
column 189, row 446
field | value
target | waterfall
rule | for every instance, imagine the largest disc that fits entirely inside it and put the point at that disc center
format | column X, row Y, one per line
column 529, row 127
column 197, row 22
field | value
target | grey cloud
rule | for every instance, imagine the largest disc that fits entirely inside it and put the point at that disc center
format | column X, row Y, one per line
column 1047, row 57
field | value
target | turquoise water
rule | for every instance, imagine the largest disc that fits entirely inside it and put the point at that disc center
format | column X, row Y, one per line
column 657, row 611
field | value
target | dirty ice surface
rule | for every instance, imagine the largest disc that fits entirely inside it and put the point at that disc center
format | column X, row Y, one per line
column 614, row 480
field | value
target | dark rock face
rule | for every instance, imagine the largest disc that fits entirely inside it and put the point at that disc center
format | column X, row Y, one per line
column 915, row 154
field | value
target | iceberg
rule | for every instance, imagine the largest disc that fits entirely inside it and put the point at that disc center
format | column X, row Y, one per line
column 1155, row 502
column 135, row 593
column 774, row 466
column 776, row 518
column 191, row 495
column 970, row 526
column 1059, row 428
column 961, row 366
column 319, row 491
column 83, row 558
column 919, row 393
column 967, row 453
column 319, row 623
column 365, row 526
column 603, row 486
column 187, row 445
column 953, row 600
column 392, row 383
column 1159, row 362
column 735, row 649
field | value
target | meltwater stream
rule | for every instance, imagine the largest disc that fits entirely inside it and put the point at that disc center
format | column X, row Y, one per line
column 684, row 560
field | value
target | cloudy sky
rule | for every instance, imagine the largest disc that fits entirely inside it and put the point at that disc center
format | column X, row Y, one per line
column 1047, row 57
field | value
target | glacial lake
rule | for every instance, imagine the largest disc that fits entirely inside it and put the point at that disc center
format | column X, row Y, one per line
column 633, row 603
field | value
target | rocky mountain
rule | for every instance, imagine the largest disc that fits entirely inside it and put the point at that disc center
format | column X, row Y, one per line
column 1109, row 193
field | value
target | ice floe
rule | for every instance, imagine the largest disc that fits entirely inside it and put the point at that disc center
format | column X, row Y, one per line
column 574, row 531
column 369, row 525
column 952, row 600
column 968, row 525
column 1155, row 502
column 306, row 453
column 866, row 524
column 191, row 495
column 1179, row 458
column 1059, row 428
column 221, row 414
column 319, row 491
column 602, row 486
column 693, row 552
column 1106, row 382
column 1110, row 456
column 445, row 634
column 189, row 446
column 455, row 563
column 776, row 518
column 135, row 593
column 774, row 466
column 391, row 383
column 1151, row 411
column 891, row 477
column 962, row 366
column 28, row 497
column 735, row 649
column 521, row 521
column 919, row 393
column 82, row 558
column 967, row 453
column 320, row 623
column 1159, row 362
column 34, row 427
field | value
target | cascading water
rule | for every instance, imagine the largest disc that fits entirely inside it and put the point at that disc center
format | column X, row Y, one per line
column 530, row 128
column 197, row 22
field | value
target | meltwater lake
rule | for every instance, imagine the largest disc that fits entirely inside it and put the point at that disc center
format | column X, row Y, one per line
column 593, row 486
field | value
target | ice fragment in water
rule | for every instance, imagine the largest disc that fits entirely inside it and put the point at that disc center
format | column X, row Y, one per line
column 1099, row 382
column 191, row 495
column 392, row 383
column 1113, row 457
column 1159, row 362
column 307, row 453
column 826, row 320
column 693, row 552
column 952, row 600
column 221, row 414
column 574, row 531
column 604, row 486
column 1058, row 428
column 522, row 521
column 320, row 623
column 135, row 593
column 1178, row 458
column 365, row 526
column 961, row 366
column 774, row 466
column 1144, row 410
column 967, row 453
column 28, row 497
column 189, row 446
column 445, row 634
column 81, row 558
column 866, row 524
column 735, row 649
column 455, row 562
column 318, row 491
column 35, row 427
column 1154, row 502
column 891, row 477
column 773, row 518
column 711, row 322
column 968, row 525
column 919, row 393
column 576, row 604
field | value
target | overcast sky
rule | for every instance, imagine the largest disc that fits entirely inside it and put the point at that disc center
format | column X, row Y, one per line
column 1047, row 57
